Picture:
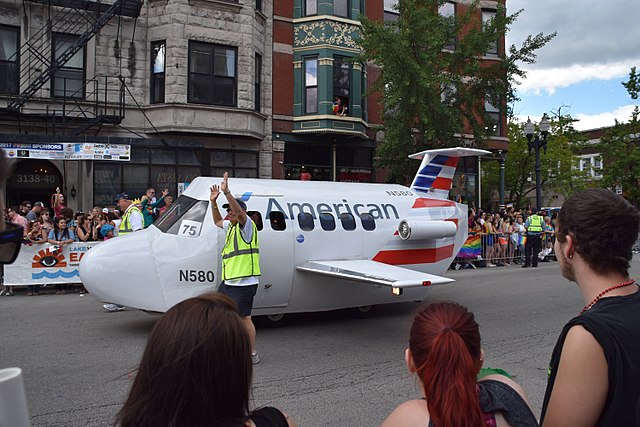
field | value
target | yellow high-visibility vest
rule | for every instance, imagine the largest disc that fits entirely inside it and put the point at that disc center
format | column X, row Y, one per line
column 239, row 258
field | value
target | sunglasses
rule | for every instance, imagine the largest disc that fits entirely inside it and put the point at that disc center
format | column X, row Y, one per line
column 10, row 243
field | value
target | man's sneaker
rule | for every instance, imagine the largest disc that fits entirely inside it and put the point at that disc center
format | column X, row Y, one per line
column 255, row 358
column 113, row 307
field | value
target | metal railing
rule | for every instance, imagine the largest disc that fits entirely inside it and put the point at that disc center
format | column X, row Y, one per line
column 498, row 249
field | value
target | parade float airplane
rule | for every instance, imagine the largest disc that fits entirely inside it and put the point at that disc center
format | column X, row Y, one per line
column 323, row 245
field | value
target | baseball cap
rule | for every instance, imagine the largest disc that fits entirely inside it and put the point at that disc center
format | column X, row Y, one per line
column 120, row 196
column 242, row 204
column 105, row 210
column 39, row 204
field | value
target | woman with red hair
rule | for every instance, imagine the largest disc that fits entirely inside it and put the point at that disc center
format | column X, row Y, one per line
column 444, row 352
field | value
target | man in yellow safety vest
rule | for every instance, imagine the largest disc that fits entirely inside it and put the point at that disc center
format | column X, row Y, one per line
column 240, row 255
column 534, row 239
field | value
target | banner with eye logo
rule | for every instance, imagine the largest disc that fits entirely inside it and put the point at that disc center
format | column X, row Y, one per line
column 40, row 264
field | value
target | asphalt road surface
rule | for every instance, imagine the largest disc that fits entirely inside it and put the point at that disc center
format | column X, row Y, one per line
column 325, row 369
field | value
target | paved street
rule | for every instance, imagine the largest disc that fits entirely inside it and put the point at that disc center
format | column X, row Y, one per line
column 326, row 369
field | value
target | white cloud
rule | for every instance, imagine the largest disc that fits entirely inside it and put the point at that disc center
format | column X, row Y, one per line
column 551, row 79
column 590, row 121
column 595, row 121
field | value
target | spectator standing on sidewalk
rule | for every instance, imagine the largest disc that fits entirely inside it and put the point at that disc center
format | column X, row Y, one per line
column 534, row 240
column 34, row 213
column 57, row 204
column 594, row 375
column 149, row 205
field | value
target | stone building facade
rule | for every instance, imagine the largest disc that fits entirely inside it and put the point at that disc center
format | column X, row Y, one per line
column 185, row 83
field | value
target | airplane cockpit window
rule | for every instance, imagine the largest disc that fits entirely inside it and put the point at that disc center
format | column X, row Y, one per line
column 348, row 221
column 327, row 222
column 276, row 219
column 368, row 223
column 305, row 221
column 184, row 217
column 256, row 217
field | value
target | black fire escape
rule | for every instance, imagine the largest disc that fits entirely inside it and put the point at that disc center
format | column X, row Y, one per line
column 75, row 109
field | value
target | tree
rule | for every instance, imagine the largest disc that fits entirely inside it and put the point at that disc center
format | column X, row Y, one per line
column 559, row 171
column 433, row 79
column 620, row 150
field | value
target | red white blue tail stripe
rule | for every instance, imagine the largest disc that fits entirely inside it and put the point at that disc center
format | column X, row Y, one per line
column 435, row 176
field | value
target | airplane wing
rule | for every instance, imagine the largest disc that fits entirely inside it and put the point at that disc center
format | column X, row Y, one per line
column 375, row 273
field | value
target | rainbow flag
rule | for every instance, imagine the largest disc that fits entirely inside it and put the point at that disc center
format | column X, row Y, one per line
column 472, row 247
column 522, row 240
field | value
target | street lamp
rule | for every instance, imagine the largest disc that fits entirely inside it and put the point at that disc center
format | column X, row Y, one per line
column 537, row 141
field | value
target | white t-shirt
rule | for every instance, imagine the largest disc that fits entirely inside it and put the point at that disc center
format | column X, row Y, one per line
column 135, row 219
column 247, row 235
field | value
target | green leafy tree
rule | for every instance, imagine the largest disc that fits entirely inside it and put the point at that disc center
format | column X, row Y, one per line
column 433, row 79
column 558, row 166
column 620, row 150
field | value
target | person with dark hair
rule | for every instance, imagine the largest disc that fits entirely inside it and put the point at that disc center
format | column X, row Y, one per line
column 240, row 255
column 594, row 374
column 445, row 353
column 57, row 203
column 60, row 235
column 196, row 371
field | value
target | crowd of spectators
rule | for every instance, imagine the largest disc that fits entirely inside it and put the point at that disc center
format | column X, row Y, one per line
column 503, row 235
column 59, row 225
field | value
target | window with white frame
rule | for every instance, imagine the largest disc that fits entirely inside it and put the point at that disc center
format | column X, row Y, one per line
column 9, row 63
column 492, row 118
column 311, row 85
column 448, row 10
column 342, row 82
column 68, row 81
column 310, row 7
column 489, row 15
column 591, row 164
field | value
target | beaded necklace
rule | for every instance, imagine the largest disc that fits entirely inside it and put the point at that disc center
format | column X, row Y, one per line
column 606, row 291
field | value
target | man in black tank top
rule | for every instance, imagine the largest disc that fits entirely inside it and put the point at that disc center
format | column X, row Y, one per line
column 594, row 374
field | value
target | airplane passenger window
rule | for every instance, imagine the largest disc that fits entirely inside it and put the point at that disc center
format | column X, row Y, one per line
column 348, row 221
column 276, row 219
column 305, row 221
column 327, row 222
column 256, row 217
column 184, row 217
column 368, row 223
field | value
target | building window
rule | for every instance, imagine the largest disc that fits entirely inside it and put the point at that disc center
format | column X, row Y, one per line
column 492, row 119
column 239, row 164
column 158, row 54
column 9, row 60
column 310, row 7
column 341, row 84
column 149, row 167
column 258, row 5
column 311, row 85
column 363, row 91
column 391, row 10
column 68, row 81
column 212, row 74
column 258, row 82
column 487, row 16
column 448, row 10
column 341, row 8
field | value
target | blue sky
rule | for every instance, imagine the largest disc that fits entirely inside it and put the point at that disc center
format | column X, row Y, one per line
column 582, row 68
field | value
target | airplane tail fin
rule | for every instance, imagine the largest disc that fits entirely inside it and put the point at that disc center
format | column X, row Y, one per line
column 435, row 175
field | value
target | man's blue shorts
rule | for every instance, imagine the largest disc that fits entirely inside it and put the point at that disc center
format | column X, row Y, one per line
column 242, row 295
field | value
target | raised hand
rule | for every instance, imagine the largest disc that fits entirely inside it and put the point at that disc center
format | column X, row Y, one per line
column 224, row 185
column 215, row 192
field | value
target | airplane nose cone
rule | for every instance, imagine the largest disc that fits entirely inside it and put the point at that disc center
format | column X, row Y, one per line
column 121, row 271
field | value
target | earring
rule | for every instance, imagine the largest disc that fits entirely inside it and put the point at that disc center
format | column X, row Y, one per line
column 571, row 256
